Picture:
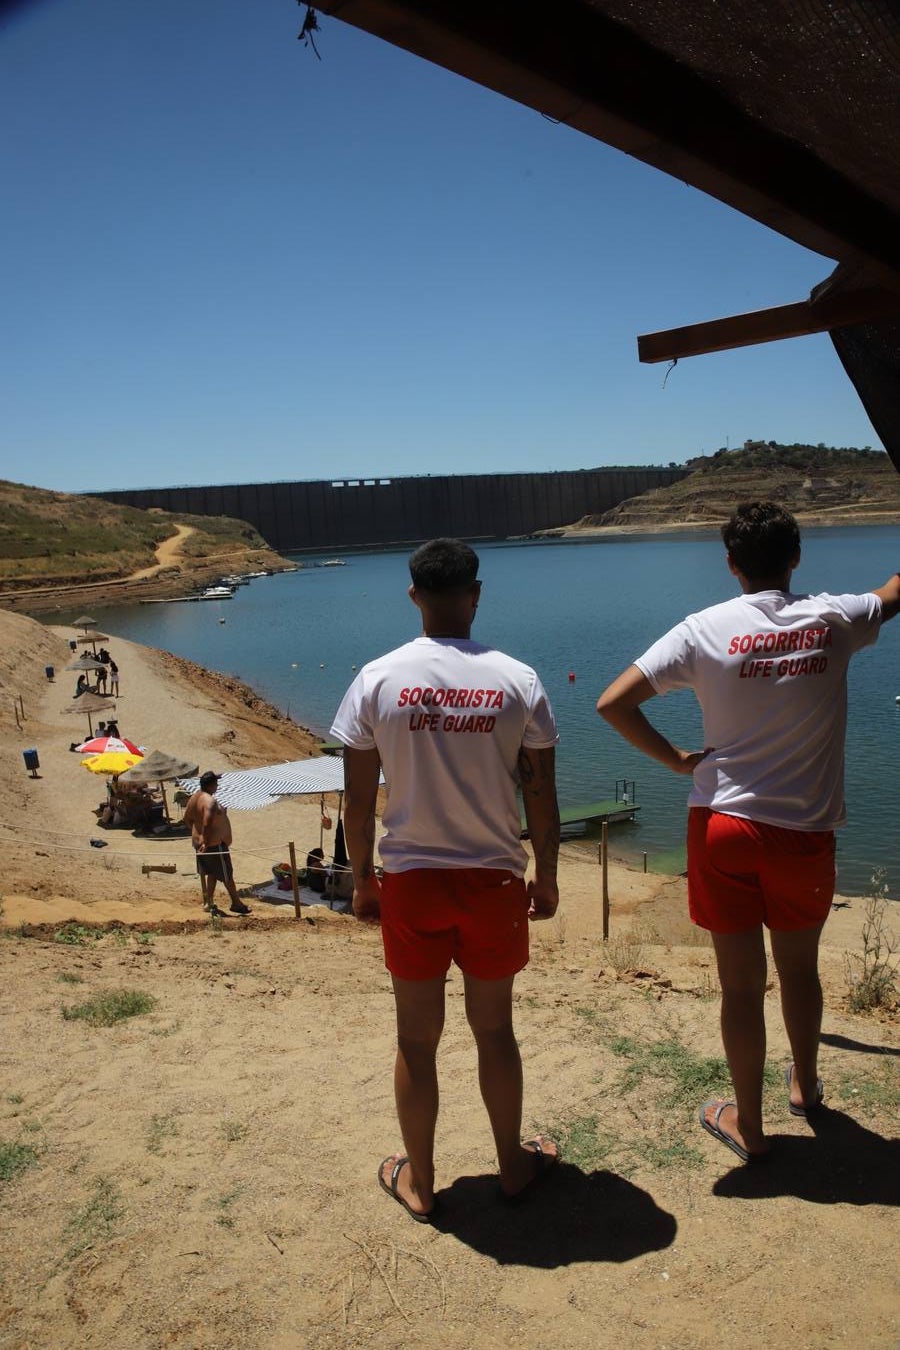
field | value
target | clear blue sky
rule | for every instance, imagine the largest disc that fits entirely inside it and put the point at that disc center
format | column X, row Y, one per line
column 226, row 261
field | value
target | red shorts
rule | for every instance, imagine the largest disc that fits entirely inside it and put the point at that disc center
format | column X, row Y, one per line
column 475, row 916
column 742, row 873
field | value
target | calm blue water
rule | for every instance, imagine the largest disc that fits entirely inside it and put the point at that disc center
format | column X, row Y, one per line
column 589, row 608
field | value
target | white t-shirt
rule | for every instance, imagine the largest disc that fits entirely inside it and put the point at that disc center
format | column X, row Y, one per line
column 448, row 718
column 770, row 674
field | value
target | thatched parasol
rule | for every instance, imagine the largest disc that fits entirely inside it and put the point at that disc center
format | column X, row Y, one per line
column 85, row 622
column 88, row 704
column 93, row 638
column 158, row 767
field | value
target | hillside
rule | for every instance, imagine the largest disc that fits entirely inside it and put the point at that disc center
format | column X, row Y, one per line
column 819, row 485
column 54, row 539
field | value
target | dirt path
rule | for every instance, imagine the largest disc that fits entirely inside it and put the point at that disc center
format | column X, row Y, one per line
column 168, row 553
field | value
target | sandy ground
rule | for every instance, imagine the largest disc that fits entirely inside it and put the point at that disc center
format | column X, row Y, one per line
column 204, row 1174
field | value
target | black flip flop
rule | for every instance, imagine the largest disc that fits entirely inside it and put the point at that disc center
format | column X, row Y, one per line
column 544, row 1165
column 715, row 1129
column 391, row 1189
column 803, row 1110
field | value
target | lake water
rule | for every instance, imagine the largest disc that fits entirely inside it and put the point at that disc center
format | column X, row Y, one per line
column 587, row 608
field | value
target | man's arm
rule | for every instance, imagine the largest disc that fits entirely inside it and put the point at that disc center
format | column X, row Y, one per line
column 620, row 706
column 889, row 595
column 537, row 775
column 361, row 772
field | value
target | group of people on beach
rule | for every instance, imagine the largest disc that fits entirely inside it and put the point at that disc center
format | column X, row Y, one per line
column 768, row 668
column 107, row 670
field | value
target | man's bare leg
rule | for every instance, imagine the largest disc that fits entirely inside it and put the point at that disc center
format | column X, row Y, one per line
column 796, row 958
column 420, row 1021
column 741, row 960
column 489, row 1011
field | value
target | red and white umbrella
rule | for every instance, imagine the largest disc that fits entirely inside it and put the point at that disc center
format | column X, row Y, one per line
column 102, row 745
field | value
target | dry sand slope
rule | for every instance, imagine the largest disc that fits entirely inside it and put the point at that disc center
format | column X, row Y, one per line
column 203, row 1174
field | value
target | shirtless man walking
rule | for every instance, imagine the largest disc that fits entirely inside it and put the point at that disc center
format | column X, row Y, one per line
column 211, row 837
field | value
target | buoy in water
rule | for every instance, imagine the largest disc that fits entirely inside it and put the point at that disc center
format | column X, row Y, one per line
column 221, row 621
column 571, row 677
column 321, row 665
column 293, row 665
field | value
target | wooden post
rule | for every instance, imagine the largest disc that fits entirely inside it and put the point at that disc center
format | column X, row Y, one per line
column 294, row 887
column 604, row 858
column 22, row 707
column 16, row 711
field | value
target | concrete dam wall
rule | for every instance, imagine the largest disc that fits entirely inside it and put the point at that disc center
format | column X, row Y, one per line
column 367, row 512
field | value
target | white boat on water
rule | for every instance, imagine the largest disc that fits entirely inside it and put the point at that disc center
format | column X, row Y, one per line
column 216, row 593
column 333, row 562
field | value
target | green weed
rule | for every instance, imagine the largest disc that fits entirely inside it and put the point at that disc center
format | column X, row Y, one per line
column 15, row 1158
column 160, row 1129
column 879, row 1091
column 225, row 1219
column 673, row 1153
column 67, row 977
column 76, row 935
column 16, row 1098
column 583, row 1144
column 872, row 974
column 233, row 1131
column 95, row 1222
column 109, row 1007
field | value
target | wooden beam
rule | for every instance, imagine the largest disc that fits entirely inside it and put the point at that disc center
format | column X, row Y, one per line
column 840, row 310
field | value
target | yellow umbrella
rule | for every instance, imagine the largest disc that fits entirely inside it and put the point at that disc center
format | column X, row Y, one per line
column 113, row 761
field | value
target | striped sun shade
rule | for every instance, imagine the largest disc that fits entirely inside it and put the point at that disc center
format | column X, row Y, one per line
column 251, row 789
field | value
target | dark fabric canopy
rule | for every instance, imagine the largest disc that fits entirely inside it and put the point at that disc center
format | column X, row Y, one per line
column 788, row 112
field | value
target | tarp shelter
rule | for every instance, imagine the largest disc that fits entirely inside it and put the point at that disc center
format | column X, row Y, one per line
column 252, row 789
column 788, row 112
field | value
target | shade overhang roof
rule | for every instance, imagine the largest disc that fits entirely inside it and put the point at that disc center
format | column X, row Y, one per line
column 788, row 113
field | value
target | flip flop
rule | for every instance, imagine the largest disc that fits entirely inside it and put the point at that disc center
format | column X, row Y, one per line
column 544, row 1164
column 240, row 908
column 728, row 1140
column 398, row 1165
column 804, row 1111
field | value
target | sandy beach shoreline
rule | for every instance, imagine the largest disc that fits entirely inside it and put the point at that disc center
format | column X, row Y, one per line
column 203, row 1174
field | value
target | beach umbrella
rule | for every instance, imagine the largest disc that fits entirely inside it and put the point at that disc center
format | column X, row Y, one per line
column 101, row 745
column 85, row 622
column 94, row 637
column 158, row 767
column 85, row 662
column 89, row 704
column 114, row 762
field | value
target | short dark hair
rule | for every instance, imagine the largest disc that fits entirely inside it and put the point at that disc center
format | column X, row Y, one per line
column 208, row 778
column 762, row 539
column 443, row 565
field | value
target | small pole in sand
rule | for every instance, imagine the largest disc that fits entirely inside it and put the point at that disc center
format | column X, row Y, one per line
column 604, row 859
column 294, row 887
column 645, row 860
column 22, row 707
column 16, row 711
